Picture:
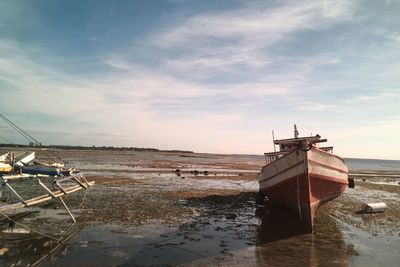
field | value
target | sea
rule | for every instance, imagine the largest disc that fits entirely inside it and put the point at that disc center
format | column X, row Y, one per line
column 372, row 164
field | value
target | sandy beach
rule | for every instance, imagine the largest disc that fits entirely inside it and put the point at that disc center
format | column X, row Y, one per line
column 189, row 209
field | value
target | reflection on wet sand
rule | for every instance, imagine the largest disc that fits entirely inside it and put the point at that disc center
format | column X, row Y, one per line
column 30, row 249
column 221, row 234
column 282, row 241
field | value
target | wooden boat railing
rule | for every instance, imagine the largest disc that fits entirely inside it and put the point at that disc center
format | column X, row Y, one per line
column 273, row 156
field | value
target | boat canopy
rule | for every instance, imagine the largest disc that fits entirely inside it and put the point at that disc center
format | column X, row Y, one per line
column 290, row 143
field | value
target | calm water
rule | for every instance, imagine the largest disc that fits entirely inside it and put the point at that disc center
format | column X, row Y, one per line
column 355, row 163
column 373, row 164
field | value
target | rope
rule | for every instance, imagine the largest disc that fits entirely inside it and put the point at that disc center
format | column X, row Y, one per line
column 18, row 129
column 297, row 184
column 29, row 137
column 241, row 195
column 83, row 199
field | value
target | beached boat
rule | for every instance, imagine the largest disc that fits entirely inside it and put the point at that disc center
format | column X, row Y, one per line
column 5, row 167
column 53, row 179
column 302, row 175
column 24, row 158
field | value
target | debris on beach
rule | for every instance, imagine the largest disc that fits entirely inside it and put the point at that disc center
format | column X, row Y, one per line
column 374, row 207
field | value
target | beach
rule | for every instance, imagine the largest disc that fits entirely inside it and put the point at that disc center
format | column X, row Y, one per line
column 198, row 209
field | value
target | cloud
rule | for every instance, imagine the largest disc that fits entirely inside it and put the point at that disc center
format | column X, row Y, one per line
column 141, row 82
column 117, row 108
column 315, row 107
column 258, row 23
column 393, row 37
column 224, row 40
column 372, row 95
column 218, row 80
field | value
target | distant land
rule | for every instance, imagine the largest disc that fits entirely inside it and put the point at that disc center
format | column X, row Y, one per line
column 349, row 160
column 66, row 147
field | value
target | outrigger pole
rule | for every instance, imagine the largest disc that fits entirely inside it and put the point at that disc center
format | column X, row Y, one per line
column 58, row 194
column 27, row 136
column 20, row 170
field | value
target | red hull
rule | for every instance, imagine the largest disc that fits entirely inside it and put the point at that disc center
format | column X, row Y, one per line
column 303, row 183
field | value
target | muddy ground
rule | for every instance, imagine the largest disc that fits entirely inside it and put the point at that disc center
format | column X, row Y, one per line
column 190, row 209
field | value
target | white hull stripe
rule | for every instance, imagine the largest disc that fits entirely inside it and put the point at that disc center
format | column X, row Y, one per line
column 281, row 172
column 328, row 166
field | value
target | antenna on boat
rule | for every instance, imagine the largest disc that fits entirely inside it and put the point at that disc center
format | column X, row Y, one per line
column 296, row 133
column 273, row 140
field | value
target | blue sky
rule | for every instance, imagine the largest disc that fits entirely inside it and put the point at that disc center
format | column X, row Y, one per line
column 208, row 76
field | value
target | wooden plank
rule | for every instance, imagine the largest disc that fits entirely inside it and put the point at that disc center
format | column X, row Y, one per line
column 79, row 182
column 43, row 198
column 15, row 177
column 46, row 188
column 326, row 148
column 276, row 153
column 15, row 193
column 313, row 139
column 66, row 207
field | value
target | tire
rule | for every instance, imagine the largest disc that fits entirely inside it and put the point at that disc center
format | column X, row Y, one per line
column 351, row 183
column 260, row 198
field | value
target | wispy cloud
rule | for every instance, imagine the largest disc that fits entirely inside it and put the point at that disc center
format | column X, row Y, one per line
column 315, row 107
column 216, row 80
column 222, row 41
column 258, row 23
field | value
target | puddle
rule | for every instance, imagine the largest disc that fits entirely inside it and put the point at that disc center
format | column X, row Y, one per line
column 218, row 236
column 31, row 249
column 371, row 250
column 227, row 230
column 215, row 236
column 282, row 241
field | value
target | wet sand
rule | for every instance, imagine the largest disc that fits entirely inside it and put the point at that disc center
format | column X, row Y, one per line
column 143, row 212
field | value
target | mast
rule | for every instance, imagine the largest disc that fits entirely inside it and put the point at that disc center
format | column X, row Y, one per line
column 273, row 140
column 296, row 133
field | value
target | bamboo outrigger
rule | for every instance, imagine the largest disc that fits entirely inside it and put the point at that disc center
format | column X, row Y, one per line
column 60, row 181
column 78, row 178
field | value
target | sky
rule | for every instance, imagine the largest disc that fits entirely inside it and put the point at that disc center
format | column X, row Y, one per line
column 207, row 76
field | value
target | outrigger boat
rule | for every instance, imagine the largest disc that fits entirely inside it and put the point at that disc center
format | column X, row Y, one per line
column 4, row 166
column 302, row 175
column 53, row 179
column 55, row 182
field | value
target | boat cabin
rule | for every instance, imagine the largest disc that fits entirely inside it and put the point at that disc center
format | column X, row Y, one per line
column 288, row 145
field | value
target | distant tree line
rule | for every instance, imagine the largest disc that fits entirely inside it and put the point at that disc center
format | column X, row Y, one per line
column 66, row 147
